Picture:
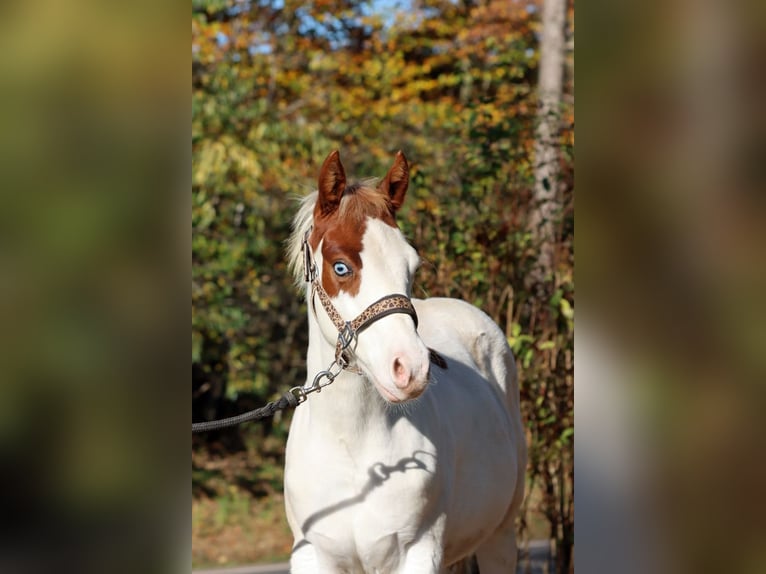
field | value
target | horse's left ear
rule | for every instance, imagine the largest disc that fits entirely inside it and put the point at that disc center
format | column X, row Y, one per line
column 332, row 184
column 396, row 181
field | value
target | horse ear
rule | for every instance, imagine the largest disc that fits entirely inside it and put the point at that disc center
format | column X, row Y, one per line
column 396, row 181
column 332, row 184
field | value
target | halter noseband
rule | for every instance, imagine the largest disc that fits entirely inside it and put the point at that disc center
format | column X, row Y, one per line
column 348, row 330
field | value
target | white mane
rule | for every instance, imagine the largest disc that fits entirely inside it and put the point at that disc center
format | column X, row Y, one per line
column 301, row 224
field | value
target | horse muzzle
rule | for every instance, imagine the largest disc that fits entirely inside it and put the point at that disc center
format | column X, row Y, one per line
column 410, row 376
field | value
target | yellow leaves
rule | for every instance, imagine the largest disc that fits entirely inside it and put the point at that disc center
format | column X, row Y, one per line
column 204, row 216
column 373, row 21
column 428, row 205
column 215, row 159
column 245, row 161
column 209, row 158
column 241, row 42
column 566, row 309
column 372, row 67
column 428, row 84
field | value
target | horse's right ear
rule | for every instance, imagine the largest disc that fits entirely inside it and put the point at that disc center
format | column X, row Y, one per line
column 332, row 184
column 394, row 185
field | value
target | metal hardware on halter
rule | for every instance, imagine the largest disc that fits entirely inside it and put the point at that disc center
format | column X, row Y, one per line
column 309, row 267
column 301, row 393
column 346, row 336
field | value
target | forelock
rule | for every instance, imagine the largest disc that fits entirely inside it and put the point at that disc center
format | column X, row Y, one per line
column 361, row 200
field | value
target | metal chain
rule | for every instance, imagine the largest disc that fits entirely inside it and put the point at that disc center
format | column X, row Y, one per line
column 301, row 393
column 291, row 399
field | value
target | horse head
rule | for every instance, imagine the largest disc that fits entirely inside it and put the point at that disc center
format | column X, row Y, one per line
column 361, row 257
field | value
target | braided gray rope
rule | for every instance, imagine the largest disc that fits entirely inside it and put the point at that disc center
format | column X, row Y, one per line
column 287, row 400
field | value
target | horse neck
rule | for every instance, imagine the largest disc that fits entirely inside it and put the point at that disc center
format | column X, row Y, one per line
column 350, row 404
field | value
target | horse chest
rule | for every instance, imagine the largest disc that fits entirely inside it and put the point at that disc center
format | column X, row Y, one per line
column 350, row 502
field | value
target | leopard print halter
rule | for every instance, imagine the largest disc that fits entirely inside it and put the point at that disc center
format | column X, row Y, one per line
column 348, row 330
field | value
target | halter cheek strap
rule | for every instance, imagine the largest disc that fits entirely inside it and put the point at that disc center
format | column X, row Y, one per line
column 348, row 330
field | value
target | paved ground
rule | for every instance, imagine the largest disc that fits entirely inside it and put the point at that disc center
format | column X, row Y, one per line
column 537, row 561
column 281, row 568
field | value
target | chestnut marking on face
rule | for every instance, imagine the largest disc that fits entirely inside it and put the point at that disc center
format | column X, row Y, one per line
column 343, row 231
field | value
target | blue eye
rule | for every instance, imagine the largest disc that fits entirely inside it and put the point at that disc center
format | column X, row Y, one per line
column 341, row 268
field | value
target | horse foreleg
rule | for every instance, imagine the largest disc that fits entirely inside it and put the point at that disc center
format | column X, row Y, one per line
column 423, row 558
column 303, row 559
column 498, row 554
column 465, row 566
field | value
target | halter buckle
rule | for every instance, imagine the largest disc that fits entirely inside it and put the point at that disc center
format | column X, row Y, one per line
column 346, row 336
column 344, row 359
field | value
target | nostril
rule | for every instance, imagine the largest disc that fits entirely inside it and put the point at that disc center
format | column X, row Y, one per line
column 401, row 373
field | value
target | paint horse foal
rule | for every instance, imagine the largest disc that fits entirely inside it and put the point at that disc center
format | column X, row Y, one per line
column 374, row 480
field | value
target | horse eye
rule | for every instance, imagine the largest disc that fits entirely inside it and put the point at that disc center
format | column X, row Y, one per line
column 341, row 268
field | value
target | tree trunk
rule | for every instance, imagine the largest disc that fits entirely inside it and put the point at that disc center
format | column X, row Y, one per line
column 551, row 75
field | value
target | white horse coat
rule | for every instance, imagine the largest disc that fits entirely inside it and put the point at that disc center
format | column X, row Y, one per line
column 411, row 487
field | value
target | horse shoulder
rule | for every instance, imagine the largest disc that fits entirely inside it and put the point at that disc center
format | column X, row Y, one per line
column 455, row 326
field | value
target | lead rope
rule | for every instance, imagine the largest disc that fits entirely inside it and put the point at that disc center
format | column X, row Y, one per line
column 291, row 399
column 287, row 400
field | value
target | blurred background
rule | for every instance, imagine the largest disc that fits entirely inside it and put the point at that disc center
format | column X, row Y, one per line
column 671, row 339
column 479, row 96
column 94, row 280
